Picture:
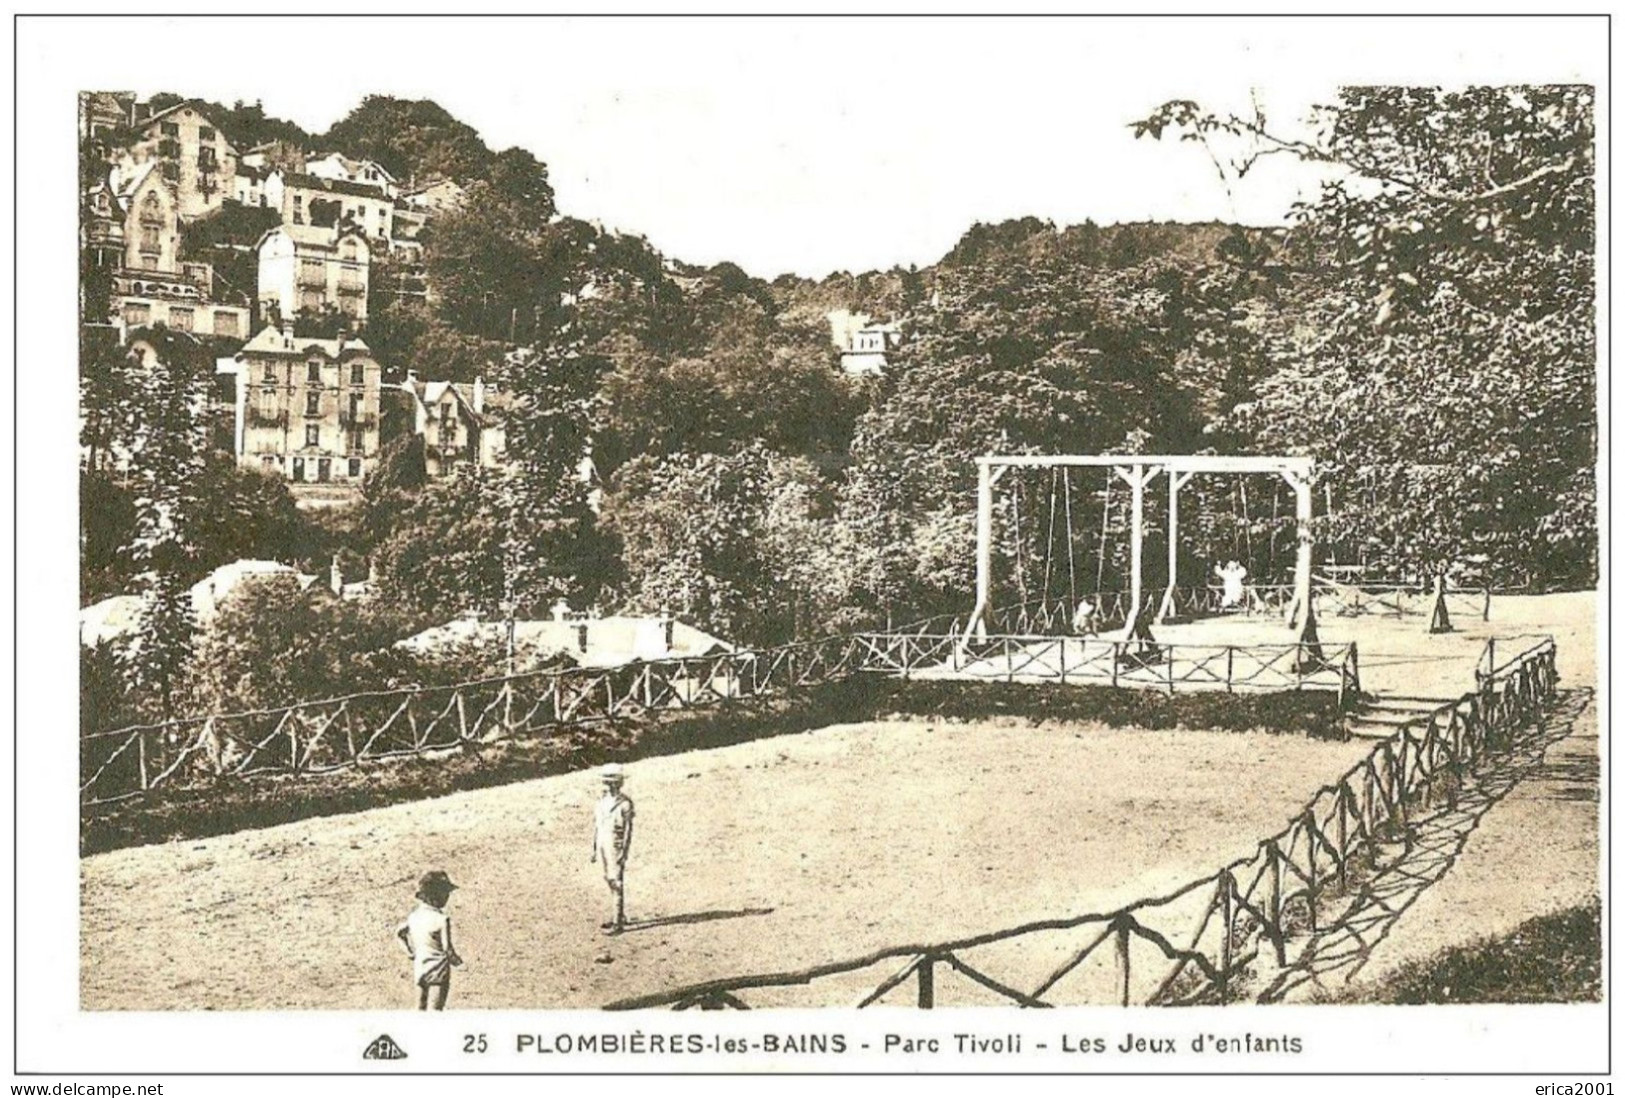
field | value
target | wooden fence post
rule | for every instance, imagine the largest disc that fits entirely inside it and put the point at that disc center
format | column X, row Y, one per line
column 1342, row 837
column 141, row 758
column 1227, row 915
column 1122, row 959
column 925, row 971
column 1276, row 930
column 1229, row 669
column 1314, row 873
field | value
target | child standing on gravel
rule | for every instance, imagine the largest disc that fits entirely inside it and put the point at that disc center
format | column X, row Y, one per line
column 612, row 841
column 426, row 934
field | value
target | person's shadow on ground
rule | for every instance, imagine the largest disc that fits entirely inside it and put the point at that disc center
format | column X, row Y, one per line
column 692, row 917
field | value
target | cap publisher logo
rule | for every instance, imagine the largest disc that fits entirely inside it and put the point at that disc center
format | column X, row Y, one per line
column 384, row 1048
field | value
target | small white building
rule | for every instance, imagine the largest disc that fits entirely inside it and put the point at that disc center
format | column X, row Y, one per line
column 368, row 173
column 304, row 269
column 455, row 422
column 863, row 343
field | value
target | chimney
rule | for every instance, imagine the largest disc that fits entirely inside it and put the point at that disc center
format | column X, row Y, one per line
column 561, row 609
column 668, row 628
column 479, row 395
column 335, row 577
column 581, row 636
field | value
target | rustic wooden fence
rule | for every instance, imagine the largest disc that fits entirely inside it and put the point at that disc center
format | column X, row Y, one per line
column 1167, row 667
column 336, row 733
column 1054, row 617
column 1201, row 943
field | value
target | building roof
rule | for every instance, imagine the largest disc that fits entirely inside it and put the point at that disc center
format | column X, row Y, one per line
column 146, row 123
column 314, row 236
column 440, row 194
column 306, row 182
column 430, row 392
column 126, row 183
column 611, row 641
column 351, row 164
column 120, row 615
column 166, row 112
column 271, row 341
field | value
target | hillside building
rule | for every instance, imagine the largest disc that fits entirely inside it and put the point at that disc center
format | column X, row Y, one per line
column 862, row 343
column 133, row 232
column 458, row 427
column 192, row 156
column 308, row 270
column 336, row 166
column 307, row 409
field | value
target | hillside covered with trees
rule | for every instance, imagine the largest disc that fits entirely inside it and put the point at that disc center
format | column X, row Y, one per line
column 1425, row 330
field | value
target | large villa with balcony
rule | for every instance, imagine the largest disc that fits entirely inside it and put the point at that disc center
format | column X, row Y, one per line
column 307, row 409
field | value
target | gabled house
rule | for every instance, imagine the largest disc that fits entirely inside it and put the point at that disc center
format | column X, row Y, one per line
column 133, row 228
column 455, row 422
column 104, row 112
column 367, row 173
column 192, row 155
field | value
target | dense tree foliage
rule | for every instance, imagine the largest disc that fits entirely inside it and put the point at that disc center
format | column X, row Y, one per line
column 1437, row 345
column 411, row 138
column 1424, row 328
column 167, row 460
column 744, row 544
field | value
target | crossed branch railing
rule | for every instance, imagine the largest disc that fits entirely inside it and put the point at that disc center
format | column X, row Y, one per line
column 336, row 733
column 1197, row 944
column 1055, row 616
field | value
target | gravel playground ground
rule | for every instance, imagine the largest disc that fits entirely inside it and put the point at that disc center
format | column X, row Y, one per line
column 762, row 856
column 818, row 846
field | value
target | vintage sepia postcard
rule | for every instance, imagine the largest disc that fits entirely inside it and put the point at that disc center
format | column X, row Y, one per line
column 829, row 545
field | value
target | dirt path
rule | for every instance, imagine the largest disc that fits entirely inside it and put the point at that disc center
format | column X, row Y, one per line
column 1522, row 842
column 757, row 857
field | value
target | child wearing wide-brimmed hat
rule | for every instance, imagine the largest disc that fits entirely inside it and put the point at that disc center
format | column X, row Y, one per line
column 427, row 937
column 612, row 841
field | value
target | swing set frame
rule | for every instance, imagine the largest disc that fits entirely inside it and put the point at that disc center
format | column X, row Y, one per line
column 1139, row 471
